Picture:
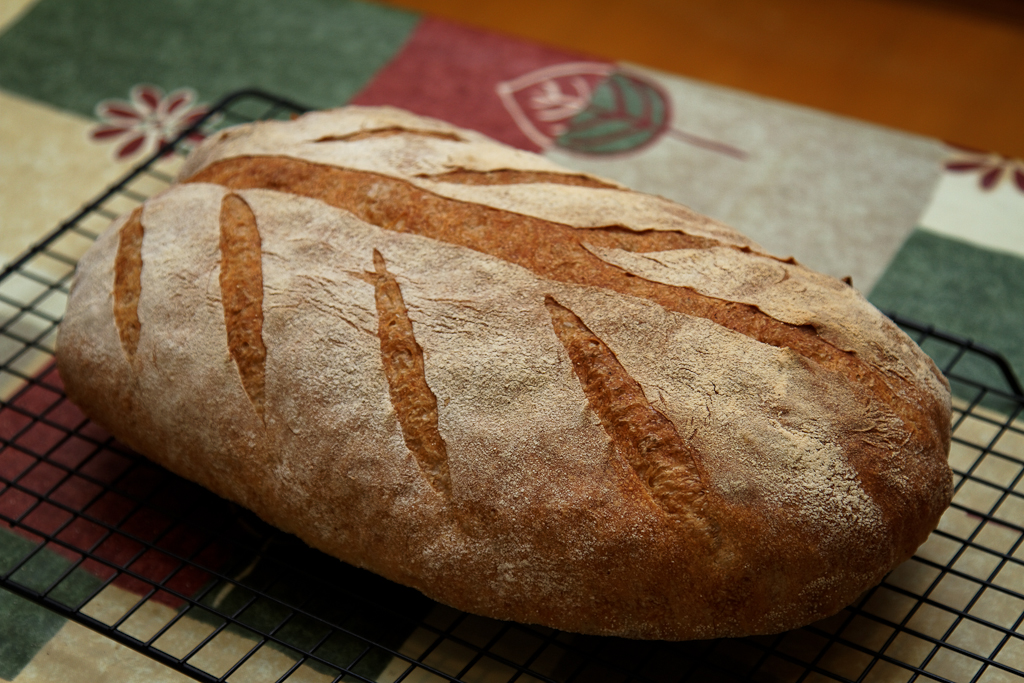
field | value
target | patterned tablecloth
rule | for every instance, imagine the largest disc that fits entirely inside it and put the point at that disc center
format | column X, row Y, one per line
column 924, row 228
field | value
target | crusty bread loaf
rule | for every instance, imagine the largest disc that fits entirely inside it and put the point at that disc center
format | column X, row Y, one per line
column 529, row 393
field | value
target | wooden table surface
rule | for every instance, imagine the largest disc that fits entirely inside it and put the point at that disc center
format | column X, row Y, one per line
column 943, row 68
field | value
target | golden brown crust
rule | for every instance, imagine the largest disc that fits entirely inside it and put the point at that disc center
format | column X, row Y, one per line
column 551, row 250
column 643, row 436
column 415, row 404
column 128, row 282
column 632, row 423
column 241, row 285
column 387, row 132
column 558, row 252
column 511, row 176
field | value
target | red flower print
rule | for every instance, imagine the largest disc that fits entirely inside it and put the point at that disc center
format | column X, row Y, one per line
column 991, row 168
column 147, row 120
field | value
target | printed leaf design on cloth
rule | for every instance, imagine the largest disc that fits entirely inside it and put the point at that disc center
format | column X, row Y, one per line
column 543, row 101
column 594, row 109
column 625, row 114
column 146, row 120
column 991, row 168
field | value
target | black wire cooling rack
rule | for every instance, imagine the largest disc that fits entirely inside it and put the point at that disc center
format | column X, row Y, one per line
column 101, row 536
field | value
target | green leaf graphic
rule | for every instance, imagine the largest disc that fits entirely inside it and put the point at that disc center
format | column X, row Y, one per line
column 624, row 114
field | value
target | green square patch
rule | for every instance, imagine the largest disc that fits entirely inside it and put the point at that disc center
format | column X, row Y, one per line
column 25, row 627
column 74, row 53
column 963, row 289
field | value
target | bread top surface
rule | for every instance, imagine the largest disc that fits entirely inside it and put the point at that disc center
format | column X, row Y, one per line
column 511, row 395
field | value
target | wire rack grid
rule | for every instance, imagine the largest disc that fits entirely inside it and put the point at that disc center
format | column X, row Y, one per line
column 101, row 536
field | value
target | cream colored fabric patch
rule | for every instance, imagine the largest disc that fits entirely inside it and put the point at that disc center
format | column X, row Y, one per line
column 97, row 659
column 11, row 11
column 839, row 195
column 963, row 210
column 48, row 170
column 93, row 659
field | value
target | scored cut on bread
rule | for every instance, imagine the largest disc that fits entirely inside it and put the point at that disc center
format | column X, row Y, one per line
column 528, row 392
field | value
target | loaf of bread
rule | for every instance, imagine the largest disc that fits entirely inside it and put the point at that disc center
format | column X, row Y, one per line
column 527, row 392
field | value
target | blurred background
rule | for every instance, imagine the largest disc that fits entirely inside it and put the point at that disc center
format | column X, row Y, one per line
column 950, row 69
